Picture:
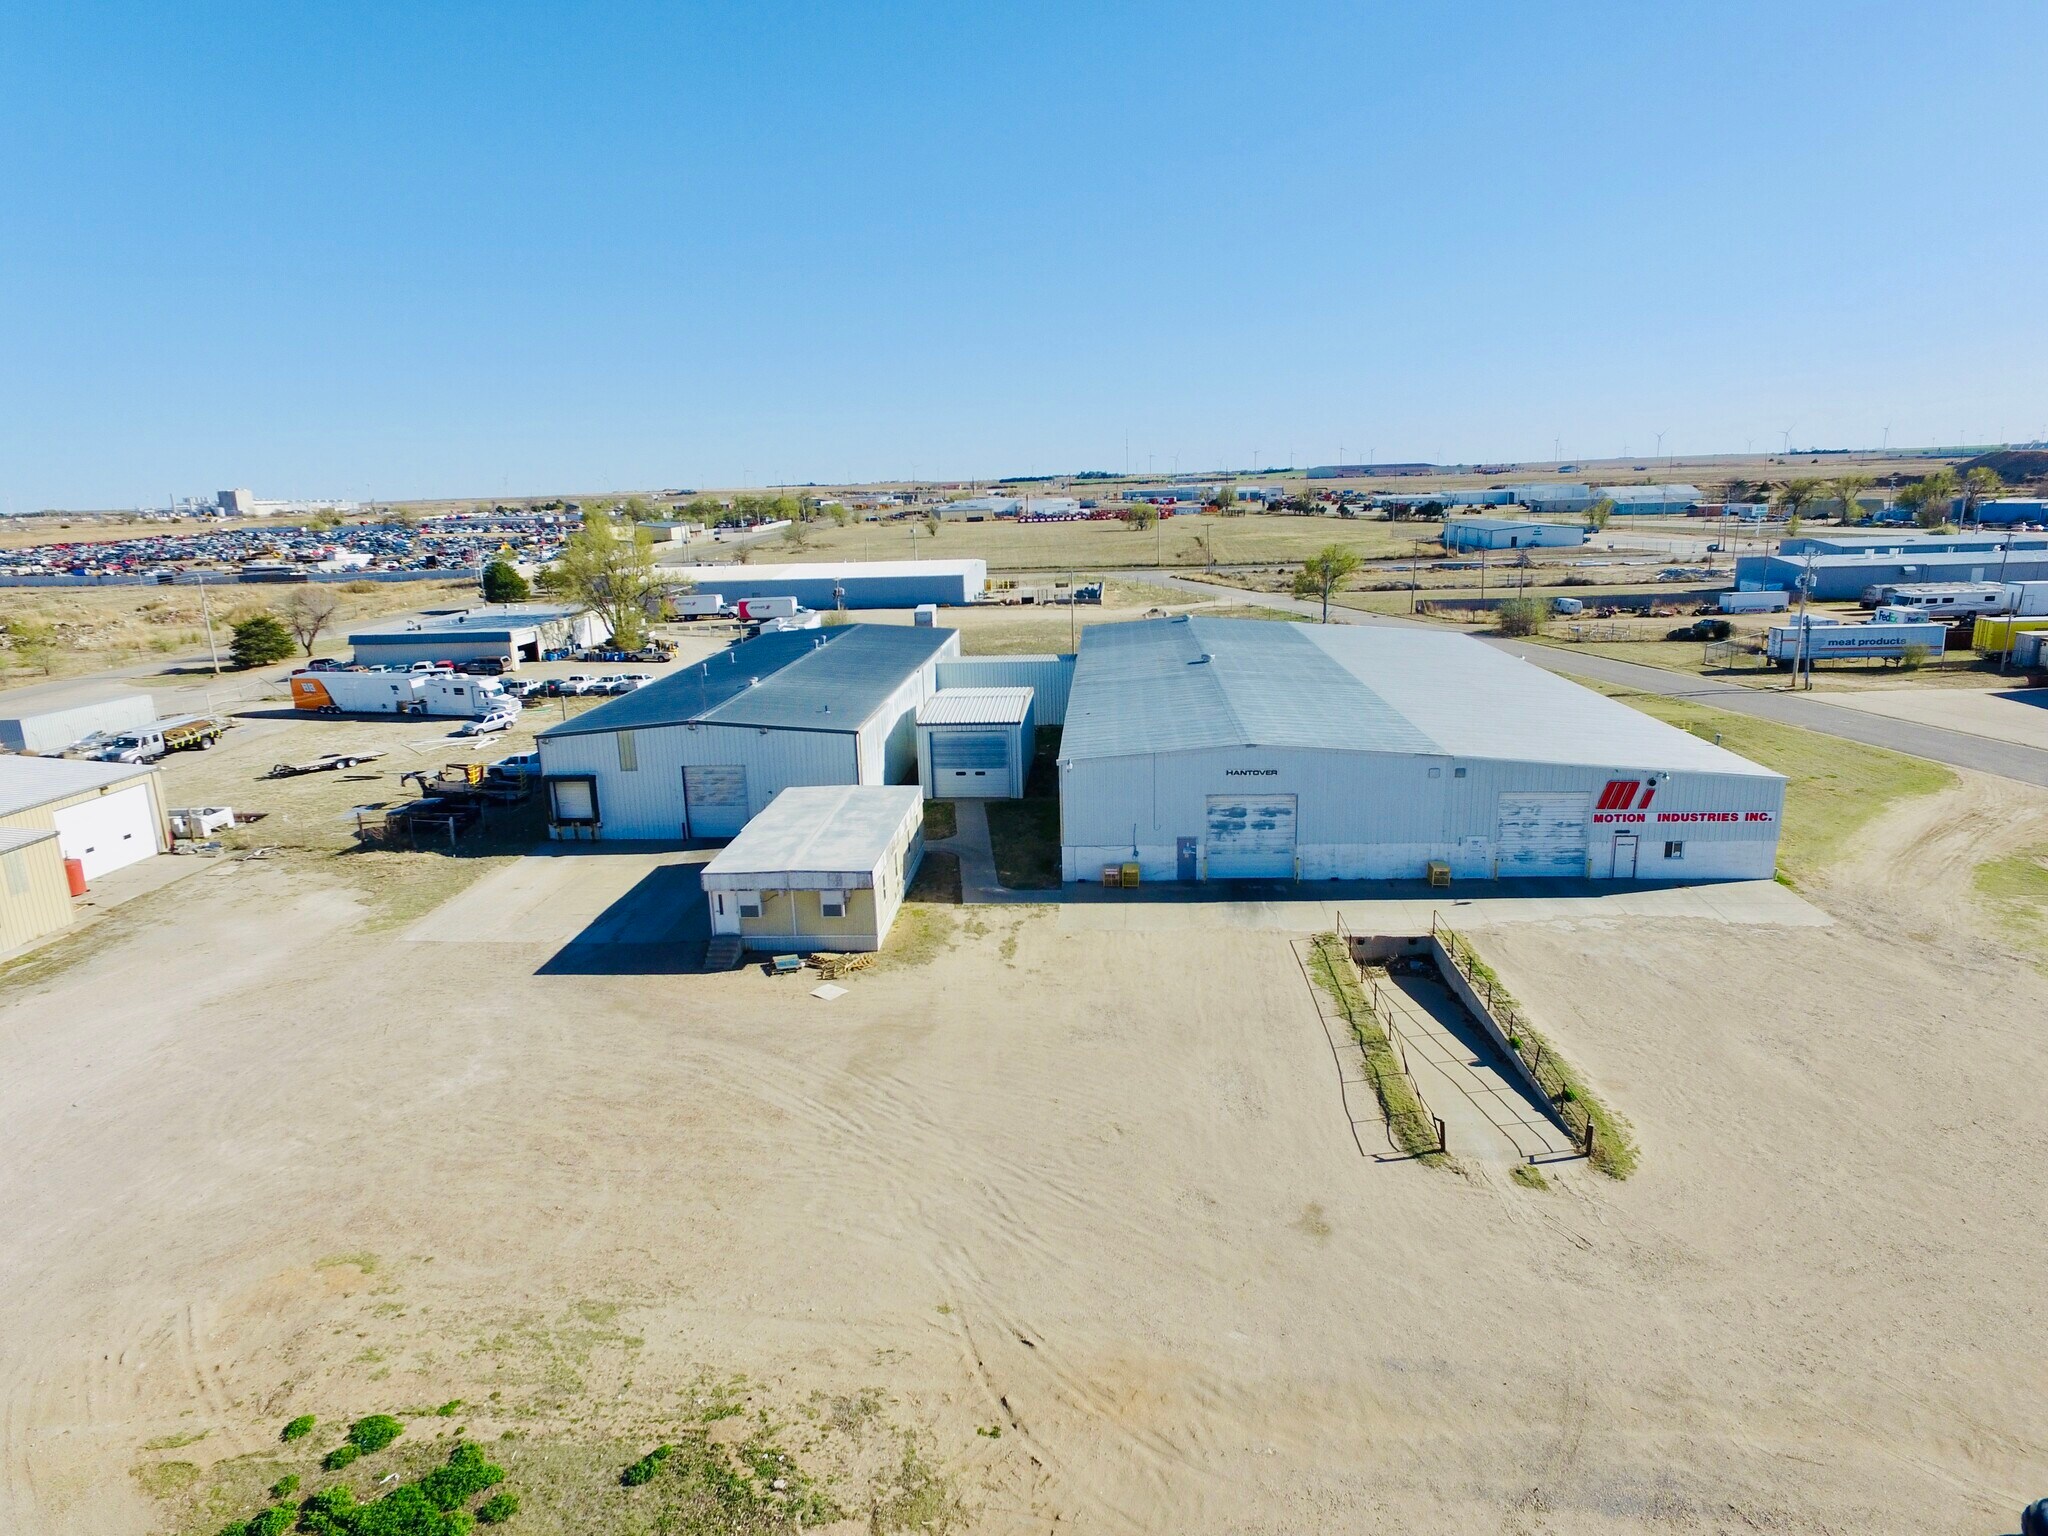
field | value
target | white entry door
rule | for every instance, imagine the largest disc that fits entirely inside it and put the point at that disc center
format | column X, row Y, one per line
column 109, row 833
column 715, row 800
column 1250, row 837
column 1540, row 833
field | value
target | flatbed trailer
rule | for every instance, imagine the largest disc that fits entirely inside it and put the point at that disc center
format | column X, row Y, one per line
column 327, row 764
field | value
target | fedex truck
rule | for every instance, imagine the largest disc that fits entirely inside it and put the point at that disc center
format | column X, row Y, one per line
column 357, row 693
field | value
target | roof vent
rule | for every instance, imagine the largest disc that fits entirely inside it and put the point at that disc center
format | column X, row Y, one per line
column 1206, row 656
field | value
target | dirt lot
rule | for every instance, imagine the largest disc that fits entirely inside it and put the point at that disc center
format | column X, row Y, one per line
column 1081, row 1210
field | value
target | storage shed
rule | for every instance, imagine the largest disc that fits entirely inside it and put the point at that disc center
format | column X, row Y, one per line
column 825, row 586
column 49, row 718
column 822, row 868
column 35, row 898
column 700, row 752
column 975, row 743
column 507, row 632
column 1220, row 749
column 105, row 815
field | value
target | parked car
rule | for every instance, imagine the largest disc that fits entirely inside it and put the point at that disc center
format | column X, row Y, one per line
column 484, row 666
column 522, row 687
column 1702, row 629
column 327, row 664
column 517, row 768
column 576, row 684
column 496, row 720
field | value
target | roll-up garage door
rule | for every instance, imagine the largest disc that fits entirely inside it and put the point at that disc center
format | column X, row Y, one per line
column 970, row 764
column 1250, row 837
column 111, row 832
column 715, row 799
column 1541, row 834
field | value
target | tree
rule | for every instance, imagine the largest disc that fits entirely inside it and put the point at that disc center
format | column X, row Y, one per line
column 1519, row 616
column 1140, row 515
column 1979, row 486
column 504, row 584
column 1845, row 489
column 259, row 640
column 33, row 642
column 610, row 571
column 1928, row 498
column 1600, row 514
column 1797, row 494
column 1226, row 497
column 307, row 612
column 797, row 534
column 1323, row 572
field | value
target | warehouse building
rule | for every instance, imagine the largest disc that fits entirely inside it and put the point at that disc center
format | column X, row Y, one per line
column 845, row 584
column 975, row 743
column 50, row 718
column 1845, row 578
column 1218, row 749
column 1049, row 678
column 105, row 815
column 1910, row 545
column 1552, row 495
column 1650, row 500
column 822, row 868
column 506, row 632
column 701, row 752
column 35, row 896
column 1512, row 533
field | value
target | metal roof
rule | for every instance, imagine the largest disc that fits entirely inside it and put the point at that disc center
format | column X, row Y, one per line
column 27, row 782
column 830, row 679
column 1511, row 524
column 52, row 698
column 489, row 621
column 828, row 829
column 14, row 839
column 834, row 570
column 976, row 706
column 1144, row 687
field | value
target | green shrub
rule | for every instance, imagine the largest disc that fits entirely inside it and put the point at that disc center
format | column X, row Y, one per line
column 498, row 1508
column 467, row 1474
column 330, row 1512
column 340, row 1457
column 449, row 1409
column 274, row 1521
column 260, row 639
column 285, row 1486
column 299, row 1428
column 374, row 1433
column 643, row 1470
column 1519, row 616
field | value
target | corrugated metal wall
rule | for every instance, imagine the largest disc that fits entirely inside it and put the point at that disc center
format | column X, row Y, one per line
column 862, row 591
column 42, row 818
column 35, row 898
column 54, row 727
column 646, row 802
column 1050, row 678
column 1370, row 816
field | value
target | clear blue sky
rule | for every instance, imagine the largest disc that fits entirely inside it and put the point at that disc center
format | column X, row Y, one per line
column 472, row 249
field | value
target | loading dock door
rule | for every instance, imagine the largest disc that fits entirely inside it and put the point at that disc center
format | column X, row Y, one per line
column 109, row 833
column 971, row 765
column 714, row 800
column 1250, row 837
column 1540, row 834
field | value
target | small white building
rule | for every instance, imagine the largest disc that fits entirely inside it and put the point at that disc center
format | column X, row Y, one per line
column 822, row 868
column 506, row 632
column 49, row 718
column 975, row 743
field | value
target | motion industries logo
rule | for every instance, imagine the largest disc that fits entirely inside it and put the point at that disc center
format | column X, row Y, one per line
column 1620, row 795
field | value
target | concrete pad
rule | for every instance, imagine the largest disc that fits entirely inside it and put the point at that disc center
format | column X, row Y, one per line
column 2017, row 715
column 1741, row 903
column 609, row 897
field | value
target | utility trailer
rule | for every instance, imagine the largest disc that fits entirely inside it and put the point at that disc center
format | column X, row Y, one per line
column 326, row 764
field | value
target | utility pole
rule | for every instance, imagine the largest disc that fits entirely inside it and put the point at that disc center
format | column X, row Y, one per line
column 1801, row 660
column 206, row 609
column 2005, row 651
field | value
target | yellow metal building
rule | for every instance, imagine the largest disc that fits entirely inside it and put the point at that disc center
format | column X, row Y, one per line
column 35, row 899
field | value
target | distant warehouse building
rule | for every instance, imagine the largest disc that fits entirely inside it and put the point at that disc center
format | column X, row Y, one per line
column 700, row 753
column 1511, row 533
column 1845, row 578
column 1650, row 500
column 846, row 584
column 1217, row 749
column 50, row 718
column 1893, row 541
column 508, row 632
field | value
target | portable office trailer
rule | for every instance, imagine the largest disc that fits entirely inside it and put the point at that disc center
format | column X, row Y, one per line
column 35, row 896
column 1222, row 750
column 821, row 868
column 699, row 753
column 359, row 693
column 49, row 719
column 975, row 743
column 106, row 815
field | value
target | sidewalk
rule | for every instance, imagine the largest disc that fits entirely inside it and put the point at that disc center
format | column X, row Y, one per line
column 979, row 886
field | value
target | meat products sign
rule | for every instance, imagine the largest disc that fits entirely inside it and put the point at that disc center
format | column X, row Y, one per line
column 1626, row 802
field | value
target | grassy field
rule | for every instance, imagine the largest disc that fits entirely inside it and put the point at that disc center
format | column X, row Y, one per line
column 1834, row 787
column 1053, row 548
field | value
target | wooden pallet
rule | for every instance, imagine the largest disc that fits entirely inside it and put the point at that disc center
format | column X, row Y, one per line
column 832, row 966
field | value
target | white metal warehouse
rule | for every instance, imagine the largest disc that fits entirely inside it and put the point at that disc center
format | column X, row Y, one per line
column 975, row 743
column 1219, row 749
column 702, row 751
column 507, row 632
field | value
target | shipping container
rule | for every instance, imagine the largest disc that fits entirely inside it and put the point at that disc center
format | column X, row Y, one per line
column 1992, row 635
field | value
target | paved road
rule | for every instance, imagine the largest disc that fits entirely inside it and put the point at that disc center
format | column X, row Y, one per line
column 1959, row 749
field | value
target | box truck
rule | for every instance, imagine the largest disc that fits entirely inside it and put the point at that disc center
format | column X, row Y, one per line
column 698, row 605
column 1753, row 602
column 755, row 609
column 358, row 693
column 464, row 697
